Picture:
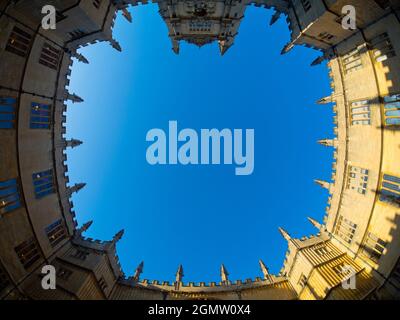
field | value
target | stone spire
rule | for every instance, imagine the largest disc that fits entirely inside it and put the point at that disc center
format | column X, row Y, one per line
column 73, row 97
column 138, row 272
column 118, row 236
column 224, row 275
column 224, row 45
column 75, row 188
column 327, row 54
column 72, row 143
column 175, row 46
column 84, row 228
column 315, row 223
column 127, row 15
column 178, row 277
column 264, row 270
column 115, row 44
column 327, row 142
column 64, row 143
column 324, row 184
column 325, row 100
column 318, row 61
column 284, row 234
column 289, row 46
column 179, row 274
column 275, row 18
column 79, row 57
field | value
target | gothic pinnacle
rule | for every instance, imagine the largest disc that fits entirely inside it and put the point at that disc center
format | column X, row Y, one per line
column 138, row 272
column 323, row 184
column 84, row 227
column 275, row 18
column 287, row 48
column 73, row 97
column 76, row 188
column 118, row 236
column 72, row 143
column 284, row 233
column 325, row 100
column 175, row 46
column 114, row 43
column 328, row 142
column 224, row 274
column 315, row 223
column 318, row 61
column 264, row 269
column 79, row 57
column 224, row 46
column 127, row 15
column 179, row 274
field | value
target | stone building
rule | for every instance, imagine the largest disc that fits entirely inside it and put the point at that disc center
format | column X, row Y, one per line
column 360, row 234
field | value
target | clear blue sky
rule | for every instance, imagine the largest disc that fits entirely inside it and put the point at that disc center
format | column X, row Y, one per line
column 199, row 216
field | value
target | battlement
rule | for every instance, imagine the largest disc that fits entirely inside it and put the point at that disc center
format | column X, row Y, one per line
column 200, row 286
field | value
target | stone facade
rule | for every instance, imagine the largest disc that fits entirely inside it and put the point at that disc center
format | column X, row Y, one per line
column 361, row 226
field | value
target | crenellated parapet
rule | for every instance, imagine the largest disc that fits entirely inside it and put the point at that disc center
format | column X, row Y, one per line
column 273, row 288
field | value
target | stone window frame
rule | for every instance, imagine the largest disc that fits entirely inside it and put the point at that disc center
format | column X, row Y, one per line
column 43, row 183
column 345, row 229
column 8, row 112
column 40, row 116
column 10, row 195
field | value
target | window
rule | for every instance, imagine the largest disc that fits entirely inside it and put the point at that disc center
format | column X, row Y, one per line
column 9, row 196
column 360, row 113
column 373, row 247
column 390, row 189
column 28, row 252
column 50, row 56
column 64, row 273
column 383, row 48
column 7, row 112
column 97, row 3
column 306, row 5
column 102, row 283
column 199, row 26
column 326, row 36
column 40, row 116
column 352, row 61
column 56, row 232
column 321, row 251
column 345, row 229
column 342, row 269
column 302, row 281
column 357, row 179
column 19, row 42
column 339, row 269
column 80, row 254
column 43, row 183
column 392, row 109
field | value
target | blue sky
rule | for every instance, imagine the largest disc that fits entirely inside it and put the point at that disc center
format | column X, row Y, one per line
column 199, row 216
